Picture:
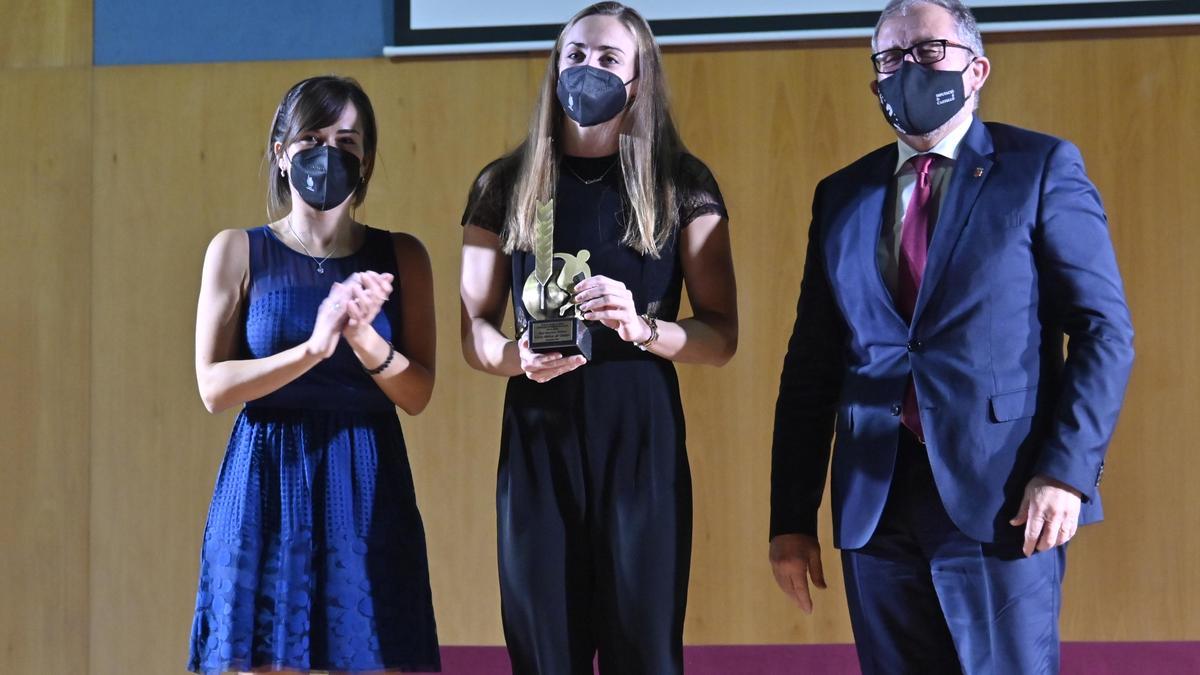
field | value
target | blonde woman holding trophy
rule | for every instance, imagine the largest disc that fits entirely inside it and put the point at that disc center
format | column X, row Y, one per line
column 593, row 226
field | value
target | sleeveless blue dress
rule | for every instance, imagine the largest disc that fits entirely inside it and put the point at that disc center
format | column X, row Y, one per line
column 314, row 553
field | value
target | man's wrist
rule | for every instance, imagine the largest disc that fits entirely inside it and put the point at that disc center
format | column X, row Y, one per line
column 1054, row 482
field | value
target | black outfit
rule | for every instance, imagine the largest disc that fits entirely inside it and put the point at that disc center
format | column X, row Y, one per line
column 593, row 499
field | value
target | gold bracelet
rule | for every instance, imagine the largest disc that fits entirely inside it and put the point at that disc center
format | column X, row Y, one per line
column 653, row 324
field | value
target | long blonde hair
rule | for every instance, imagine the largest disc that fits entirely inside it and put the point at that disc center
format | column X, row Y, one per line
column 650, row 147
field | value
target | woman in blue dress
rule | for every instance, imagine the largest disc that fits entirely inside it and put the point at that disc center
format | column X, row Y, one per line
column 314, row 552
column 593, row 496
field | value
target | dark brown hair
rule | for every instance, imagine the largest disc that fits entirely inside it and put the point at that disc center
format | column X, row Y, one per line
column 313, row 104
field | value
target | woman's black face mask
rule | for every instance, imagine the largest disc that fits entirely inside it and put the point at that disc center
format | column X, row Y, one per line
column 324, row 176
column 590, row 95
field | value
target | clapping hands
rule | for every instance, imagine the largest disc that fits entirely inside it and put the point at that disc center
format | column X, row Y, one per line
column 349, row 310
column 367, row 293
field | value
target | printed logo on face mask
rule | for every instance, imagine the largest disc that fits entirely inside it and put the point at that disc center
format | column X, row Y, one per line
column 325, row 176
column 591, row 95
column 918, row 99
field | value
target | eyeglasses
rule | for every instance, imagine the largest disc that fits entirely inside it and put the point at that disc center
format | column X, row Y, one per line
column 925, row 53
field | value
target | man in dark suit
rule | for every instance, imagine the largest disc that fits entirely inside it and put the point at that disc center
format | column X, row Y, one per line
column 942, row 273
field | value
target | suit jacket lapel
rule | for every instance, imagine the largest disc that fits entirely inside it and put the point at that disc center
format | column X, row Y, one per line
column 872, row 202
column 971, row 169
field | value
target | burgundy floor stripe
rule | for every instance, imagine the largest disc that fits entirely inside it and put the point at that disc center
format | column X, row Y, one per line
column 1090, row 658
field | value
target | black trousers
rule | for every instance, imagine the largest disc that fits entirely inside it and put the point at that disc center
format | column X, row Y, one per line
column 594, row 517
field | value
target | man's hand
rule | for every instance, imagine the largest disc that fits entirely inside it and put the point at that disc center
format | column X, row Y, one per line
column 1050, row 513
column 794, row 558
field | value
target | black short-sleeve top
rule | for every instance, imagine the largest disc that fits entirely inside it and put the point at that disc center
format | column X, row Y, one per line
column 590, row 213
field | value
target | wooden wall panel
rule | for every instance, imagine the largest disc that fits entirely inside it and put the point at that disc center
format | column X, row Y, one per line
column 442, row 121
column 177, row 157
column 45, row 33
column 1136, row 576
column 771, row 123
column 45, row 187
column 172, row 170
column 170, row 146
column 1130, row 121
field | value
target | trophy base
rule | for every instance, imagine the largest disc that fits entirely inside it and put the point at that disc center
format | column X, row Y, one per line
column 566, row 336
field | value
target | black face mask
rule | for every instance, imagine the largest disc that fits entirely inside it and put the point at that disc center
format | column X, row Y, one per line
column 591, row 95
column 324, row 176
column 918, row 99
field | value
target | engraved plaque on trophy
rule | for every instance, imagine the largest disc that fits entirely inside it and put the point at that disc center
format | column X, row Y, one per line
column 556, row 324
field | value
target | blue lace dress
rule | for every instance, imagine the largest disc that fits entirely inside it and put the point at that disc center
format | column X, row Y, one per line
column 314, row 552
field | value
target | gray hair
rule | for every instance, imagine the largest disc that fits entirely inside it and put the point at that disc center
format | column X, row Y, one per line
column 964, row 20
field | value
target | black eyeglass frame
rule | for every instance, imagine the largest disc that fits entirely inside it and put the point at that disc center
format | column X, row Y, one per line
column 913, row 50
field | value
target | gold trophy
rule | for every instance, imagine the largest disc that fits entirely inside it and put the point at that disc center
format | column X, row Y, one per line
column 556, row 323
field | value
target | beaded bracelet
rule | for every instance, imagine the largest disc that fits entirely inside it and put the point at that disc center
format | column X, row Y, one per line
column 386, row 362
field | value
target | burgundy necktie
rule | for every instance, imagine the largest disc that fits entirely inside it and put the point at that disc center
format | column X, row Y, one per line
column 914, row 247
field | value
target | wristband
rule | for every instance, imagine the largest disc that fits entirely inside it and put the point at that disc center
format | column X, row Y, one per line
column 386, row 362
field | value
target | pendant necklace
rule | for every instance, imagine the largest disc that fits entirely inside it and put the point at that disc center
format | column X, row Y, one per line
column 320, row 263
column 592, row 181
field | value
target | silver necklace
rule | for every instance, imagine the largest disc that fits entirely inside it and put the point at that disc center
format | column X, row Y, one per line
column 595, row 180
column 320, row 263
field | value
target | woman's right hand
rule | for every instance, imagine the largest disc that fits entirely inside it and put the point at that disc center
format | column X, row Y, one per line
column 545, row 367
column 332, row 316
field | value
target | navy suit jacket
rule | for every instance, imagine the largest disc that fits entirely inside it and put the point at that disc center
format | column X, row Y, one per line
column 1020, row 257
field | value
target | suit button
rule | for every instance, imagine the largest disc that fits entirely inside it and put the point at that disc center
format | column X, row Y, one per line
column 896, row 409
column 914, row 345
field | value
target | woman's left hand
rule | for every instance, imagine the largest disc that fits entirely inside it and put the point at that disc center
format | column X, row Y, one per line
column 609, row 302
column 369, row 290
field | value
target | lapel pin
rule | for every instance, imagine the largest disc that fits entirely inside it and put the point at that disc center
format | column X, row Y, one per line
column 979, row 172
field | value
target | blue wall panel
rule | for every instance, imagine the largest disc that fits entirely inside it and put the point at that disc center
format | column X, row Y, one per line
column 169, row 31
